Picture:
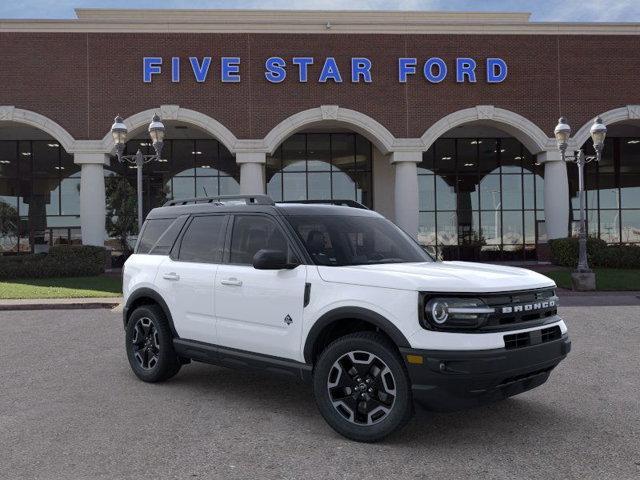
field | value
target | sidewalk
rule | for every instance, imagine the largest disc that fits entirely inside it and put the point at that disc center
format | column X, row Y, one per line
column 569, row 298
column 60, row 303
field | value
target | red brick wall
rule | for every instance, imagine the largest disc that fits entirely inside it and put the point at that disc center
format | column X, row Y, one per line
column 82, row 80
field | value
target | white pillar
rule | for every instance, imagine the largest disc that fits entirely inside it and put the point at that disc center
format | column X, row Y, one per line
column 251, row 172
column 92, row 197
column 556, row 194
column 406, row 199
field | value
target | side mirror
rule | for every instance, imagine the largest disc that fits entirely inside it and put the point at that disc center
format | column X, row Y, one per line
column 271, row 260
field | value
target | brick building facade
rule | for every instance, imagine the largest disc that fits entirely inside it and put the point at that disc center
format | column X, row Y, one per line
column 63, row 81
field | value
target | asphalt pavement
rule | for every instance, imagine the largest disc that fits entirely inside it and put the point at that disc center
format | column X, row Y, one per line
column 70, row 408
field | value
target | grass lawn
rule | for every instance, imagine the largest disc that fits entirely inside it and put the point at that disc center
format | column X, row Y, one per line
column 606, row 278
column 73, row 287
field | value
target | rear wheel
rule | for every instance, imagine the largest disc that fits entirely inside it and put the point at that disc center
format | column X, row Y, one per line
column 362, row 388
column 149, row 345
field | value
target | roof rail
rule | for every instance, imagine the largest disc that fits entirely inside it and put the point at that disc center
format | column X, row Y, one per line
column 343, row 203
column 222, row 199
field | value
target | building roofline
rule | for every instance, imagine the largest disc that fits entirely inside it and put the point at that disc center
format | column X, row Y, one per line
column 310, row 21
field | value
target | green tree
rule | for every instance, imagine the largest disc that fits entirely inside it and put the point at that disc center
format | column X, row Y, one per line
column 122, row 219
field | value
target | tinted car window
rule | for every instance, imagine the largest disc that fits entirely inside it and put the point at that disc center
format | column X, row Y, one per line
column 203, row 240
column 252, row 233
column 167, row 239
column 152, row 231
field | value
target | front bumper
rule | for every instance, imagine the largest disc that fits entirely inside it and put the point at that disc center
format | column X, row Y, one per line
column 454, row 379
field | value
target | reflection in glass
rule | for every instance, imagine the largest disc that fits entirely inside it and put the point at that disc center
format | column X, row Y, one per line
column 296, row 186
column 342, row 185
column 512, row 191
column 610, row 226
column 39, row 190
column 320, row 166
column 319, row 185
column 630, row 226
column 486, row 200
column 630, row 196
column 427, row 228
column 612, row 191
column 447, row 228
column 445, row 193
column 188, row 168
column 427, row 192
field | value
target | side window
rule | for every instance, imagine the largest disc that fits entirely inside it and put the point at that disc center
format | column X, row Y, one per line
column 152, row 231
column 252, row 233
column 168, row 238
column 204, row 240
column 318, row 242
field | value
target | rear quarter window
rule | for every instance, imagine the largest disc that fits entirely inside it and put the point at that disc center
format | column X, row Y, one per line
column 159, row 235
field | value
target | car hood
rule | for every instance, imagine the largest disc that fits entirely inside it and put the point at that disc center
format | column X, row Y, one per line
column 459, row 277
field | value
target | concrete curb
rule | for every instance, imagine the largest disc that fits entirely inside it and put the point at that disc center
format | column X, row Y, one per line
column 59, row 304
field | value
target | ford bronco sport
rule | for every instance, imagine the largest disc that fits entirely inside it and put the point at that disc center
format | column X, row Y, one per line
column 338, row 296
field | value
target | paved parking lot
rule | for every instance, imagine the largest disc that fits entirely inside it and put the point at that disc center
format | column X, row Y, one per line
column 70, row 408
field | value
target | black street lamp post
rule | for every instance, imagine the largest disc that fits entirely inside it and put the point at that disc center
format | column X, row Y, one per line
column 156, row 132
column 583, row 278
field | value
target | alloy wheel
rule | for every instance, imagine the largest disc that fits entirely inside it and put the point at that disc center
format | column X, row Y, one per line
column 361, row 387
column 146, row 343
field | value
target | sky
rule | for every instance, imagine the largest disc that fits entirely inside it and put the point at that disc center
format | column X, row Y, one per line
column 542, row 10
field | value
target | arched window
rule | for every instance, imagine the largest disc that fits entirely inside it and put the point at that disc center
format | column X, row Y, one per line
column 189, row 168
column 480, row 198
column 320, row 166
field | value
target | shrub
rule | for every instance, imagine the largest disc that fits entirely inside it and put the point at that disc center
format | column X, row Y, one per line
column 61, row 261
column 620, row 256
column 564, row 252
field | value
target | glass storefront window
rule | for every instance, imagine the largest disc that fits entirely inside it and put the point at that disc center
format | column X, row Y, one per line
column 321, row 166
column 480, row 198
column 612, row 192
column 189, row 168
column 39, row 194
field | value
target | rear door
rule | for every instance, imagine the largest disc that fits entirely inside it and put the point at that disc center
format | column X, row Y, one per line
column 186, row 278
column 259, row 310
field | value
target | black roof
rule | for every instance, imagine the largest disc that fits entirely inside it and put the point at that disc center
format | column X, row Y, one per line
column 257, row 204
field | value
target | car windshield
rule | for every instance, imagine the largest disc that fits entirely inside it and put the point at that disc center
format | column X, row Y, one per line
column 339, row 240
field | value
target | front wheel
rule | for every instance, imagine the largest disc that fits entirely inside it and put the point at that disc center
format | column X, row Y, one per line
column 362, row 388
column 149, row 345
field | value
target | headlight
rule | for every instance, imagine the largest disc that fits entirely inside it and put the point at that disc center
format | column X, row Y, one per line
column 456, row 312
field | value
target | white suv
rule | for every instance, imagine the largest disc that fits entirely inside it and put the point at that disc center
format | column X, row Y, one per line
column 337, row 296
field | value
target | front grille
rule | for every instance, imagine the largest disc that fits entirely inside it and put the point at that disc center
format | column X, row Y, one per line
column 524, row 376
column 518, row 308
column 512, row 311
column 535, row 337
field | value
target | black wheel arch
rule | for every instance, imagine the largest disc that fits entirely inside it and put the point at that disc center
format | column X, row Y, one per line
column 345, row 314
column 147, row 296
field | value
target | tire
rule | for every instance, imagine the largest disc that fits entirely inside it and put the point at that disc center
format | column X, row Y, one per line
column 149, row 345
column 368, row 414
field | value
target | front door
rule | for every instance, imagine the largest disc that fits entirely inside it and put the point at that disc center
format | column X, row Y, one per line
column 259, row 310
column 187, row 279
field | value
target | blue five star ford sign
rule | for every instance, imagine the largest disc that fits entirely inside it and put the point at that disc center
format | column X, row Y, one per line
column 301, row 69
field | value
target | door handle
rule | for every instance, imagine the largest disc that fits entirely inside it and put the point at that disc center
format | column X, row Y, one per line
column 234, row 282
column 171, row 276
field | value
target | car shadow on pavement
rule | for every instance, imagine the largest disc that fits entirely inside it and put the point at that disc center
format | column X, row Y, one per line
column 282, row 396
